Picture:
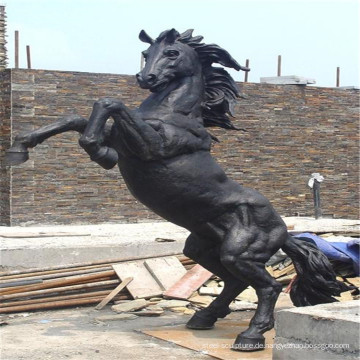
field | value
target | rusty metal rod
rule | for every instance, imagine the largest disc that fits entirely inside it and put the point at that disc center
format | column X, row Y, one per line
column 55, row 275
column 122, row 294
column 337, row 77
column 50, row 305
column 28, row 57
column 6, row 274
column 16, row 49
column 279, row 66
column 37, row 293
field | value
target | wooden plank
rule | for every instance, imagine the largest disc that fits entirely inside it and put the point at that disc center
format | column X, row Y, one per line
column 143, row 284
column 189, row 283
column 109, row 297
column 290, row 269
column 166, row 271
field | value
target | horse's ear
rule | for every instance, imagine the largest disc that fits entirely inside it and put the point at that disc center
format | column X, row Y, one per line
column 171, row 36
column 144, row 37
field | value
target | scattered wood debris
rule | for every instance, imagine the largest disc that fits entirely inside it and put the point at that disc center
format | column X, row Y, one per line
column 166, row 270
column 146, row 287
column 143, row 284
column 65, row 286
column 189, row 283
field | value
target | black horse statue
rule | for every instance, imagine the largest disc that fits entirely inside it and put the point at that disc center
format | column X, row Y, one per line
column 163, row 153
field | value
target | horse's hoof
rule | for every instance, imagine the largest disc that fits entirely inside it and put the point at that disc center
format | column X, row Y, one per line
column 15, row 157
column 243, row 343
column 106, row 157
column 201, row 323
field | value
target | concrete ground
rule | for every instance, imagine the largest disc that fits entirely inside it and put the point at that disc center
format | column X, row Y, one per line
column 74, row 334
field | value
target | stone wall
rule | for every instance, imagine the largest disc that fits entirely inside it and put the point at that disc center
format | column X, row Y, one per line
column 292, row 131
column 5, row 136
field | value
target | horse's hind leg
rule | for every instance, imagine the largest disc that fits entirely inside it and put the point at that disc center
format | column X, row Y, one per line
column 244, row 253
column 18, row 153
column 207, row 255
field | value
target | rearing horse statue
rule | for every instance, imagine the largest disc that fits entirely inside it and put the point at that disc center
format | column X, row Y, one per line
column 163, row 153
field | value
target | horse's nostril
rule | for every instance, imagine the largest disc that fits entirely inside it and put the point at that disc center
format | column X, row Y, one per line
column 150, row 78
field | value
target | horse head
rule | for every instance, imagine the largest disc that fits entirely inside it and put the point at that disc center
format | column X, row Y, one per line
column 173, row 56
column 165, row 60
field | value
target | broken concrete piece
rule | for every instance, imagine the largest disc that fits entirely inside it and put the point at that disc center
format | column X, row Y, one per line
column 212, row 291
column 153, row 299
column 211, row 283
column 353, row 281
column 242, row 306
column 179, row 309
column 345, row 296
column 166, row 304
column 150, row 311
column 248, row 294
column 202, row 301
column 189, row 312
column 117, row 317
column 131, row 305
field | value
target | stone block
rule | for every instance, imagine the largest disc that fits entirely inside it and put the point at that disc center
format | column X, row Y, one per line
column 331, row 330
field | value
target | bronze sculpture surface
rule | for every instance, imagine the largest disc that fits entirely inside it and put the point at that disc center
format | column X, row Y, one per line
column 163, row 153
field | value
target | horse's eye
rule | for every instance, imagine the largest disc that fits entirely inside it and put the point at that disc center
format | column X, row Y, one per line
column 145, row 54
column 171, row 53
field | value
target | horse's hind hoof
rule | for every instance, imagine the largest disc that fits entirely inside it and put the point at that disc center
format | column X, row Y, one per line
column 201, row 323
column 243, row 343
column 15, row 157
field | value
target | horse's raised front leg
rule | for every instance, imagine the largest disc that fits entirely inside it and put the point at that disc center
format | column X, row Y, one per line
column 92, row 139
column 18, row 153
column 135, row 136
column 201, row 251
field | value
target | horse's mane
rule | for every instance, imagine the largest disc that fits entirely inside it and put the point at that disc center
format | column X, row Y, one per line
column 221, row 90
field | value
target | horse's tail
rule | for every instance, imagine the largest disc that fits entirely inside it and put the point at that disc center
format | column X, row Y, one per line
column 315, row 282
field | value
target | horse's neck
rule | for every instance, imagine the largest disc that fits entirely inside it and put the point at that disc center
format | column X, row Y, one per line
column 183, row 96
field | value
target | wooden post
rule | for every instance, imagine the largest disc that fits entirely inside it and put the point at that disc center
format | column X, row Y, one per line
column 28, row 56
column 16, row 49
column 279, row 66
column 337, row 77
column 246, row 72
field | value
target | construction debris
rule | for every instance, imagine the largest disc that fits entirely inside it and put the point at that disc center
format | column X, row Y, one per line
column 166, row 271
column 189, row 283
column 242, row 306
column 64, row 286
column 130, row 306
column 146, row 287
column 168, row 304
column 113, row 293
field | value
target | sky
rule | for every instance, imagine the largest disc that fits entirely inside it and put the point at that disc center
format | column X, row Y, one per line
column 313, row 37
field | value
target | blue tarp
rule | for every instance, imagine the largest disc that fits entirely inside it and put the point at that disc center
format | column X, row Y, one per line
column 348, row 252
